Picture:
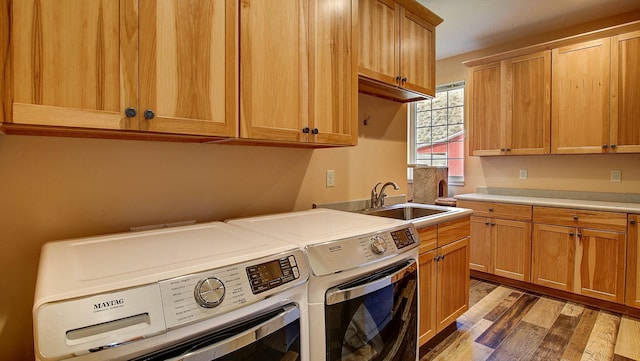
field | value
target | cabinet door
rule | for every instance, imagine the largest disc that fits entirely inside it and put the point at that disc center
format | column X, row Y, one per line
column 511, row 249
column 580, row 85
column 333, row 72
column 452, row 282
column 487, row 113
column 553, row 255
column 188, row 66
column 417, row 53
column 68, row 59
column 529, row 104
column 600, row 264
column 480, row 244
column 378, row 45
column 427, row 291
column 633, row 256
column 625, row 93
column 274, row 96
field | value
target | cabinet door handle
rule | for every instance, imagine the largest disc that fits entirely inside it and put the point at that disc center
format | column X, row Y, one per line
column 632, row 222
column 305, row 130
column 314, row 131
column 148, row 114
column 575, row 218
column 486, row 223
column 398, row 78
column 490, row 209
column 605, row 146
column 404, row 80
column 571, row 234
column 130, row 112
column 442, row 257
column 579, row 235
column 613, row 146
column 502, row 149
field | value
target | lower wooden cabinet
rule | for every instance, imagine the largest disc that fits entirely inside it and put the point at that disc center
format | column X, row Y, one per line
column 501, row 247
column 444, row 282
column 584, row 261
column 633, row 256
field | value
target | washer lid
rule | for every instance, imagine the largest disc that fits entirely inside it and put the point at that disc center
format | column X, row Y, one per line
column 92, row 265
column 316, row 225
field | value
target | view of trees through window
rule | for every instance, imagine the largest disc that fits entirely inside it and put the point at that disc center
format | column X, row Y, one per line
column 439, row 130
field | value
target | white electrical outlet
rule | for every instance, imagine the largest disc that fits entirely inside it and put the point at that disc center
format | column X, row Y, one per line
column 331, row 178
column 524, row 174
column 616, row 175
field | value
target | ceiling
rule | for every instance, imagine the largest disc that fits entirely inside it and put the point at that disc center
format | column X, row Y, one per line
column 477, row 24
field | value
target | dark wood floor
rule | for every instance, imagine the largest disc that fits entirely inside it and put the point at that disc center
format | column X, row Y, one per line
column 508, row 324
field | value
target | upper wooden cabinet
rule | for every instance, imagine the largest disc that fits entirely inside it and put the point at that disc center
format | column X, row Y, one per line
column 590, row 81
column 625, row 93
column 83, row 63
column 397, row 49
column 298, row 75
column 580, row 118
column 510, row 108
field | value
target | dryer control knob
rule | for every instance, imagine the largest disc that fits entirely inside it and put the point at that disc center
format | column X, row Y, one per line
column 209, row 292
column 378, row 245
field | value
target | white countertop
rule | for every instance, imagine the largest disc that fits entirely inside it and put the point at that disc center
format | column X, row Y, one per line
column 554, row 202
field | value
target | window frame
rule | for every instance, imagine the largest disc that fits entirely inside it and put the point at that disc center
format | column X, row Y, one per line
column 412, row 136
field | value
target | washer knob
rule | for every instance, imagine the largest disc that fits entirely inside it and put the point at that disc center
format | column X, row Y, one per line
column 209, row 292
column 378, row 245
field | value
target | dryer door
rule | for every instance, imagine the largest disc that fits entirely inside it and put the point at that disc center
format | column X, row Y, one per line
column 375, row 317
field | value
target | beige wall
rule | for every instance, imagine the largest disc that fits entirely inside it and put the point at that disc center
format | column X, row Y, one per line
column 58, row 188
column 589, row 173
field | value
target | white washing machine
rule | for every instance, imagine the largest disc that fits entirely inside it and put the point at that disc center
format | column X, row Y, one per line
column 202, row 292
column 363, row 288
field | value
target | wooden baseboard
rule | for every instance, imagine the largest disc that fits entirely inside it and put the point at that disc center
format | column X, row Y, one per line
column 564, row 295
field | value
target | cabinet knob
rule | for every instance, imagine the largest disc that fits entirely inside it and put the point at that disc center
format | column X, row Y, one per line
column 575, row 218
column 149, row 114
column 493, row 224
column 398, row 78
column 486, row 223
column 613, row 146
column 404, row 80
column 490, row 209
column 571, row 234
column 502, row 149
column 130, row 112
column 605, row 146
column 305, row 130
column 508, row 149
column 314, row 131
column 633, row 221
column 579, row 234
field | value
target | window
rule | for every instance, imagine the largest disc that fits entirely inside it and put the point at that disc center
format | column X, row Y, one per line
column 436, row 132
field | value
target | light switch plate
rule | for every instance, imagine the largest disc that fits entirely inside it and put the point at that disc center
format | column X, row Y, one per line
column 524, row 174
column 616, row 176
column 331, row 178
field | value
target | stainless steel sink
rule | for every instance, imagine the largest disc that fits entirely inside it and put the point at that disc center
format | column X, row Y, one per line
column 404, row 212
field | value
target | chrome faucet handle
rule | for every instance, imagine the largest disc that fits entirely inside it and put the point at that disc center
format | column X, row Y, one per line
column 374, row 196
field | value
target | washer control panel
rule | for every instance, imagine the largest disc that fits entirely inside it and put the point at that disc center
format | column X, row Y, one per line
column 349, row 253
column 201, row 295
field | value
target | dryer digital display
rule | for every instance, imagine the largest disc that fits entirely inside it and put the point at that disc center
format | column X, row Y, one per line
column 402, row 238
column 268, row 275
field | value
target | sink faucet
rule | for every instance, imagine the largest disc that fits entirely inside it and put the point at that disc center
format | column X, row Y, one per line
column 377, row 200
